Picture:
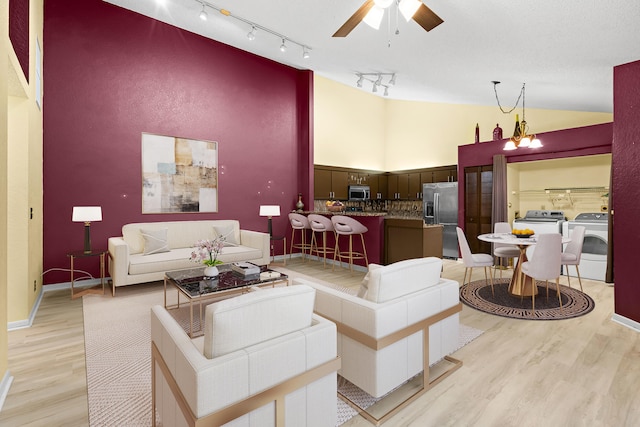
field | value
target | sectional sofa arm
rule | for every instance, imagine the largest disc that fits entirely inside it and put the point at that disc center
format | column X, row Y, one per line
column 257, row 240
column 118, row 260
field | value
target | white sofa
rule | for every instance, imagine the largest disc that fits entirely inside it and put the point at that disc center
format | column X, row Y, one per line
column 380, row 332
column 265, row 359
column 142, row 255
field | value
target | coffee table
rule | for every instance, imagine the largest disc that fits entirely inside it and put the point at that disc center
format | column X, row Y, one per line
column 196, row 288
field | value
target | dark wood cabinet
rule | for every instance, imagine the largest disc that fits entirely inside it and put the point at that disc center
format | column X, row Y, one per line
column 330, row 184
column 415, row 186
column 478, row 194
column 383, row 184
column 410, row 238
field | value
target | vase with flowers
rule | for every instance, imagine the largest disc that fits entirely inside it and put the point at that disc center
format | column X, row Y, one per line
column 207, row 251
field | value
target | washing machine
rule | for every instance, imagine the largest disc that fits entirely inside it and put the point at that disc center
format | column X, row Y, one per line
column 541, row 222
column 593, row 261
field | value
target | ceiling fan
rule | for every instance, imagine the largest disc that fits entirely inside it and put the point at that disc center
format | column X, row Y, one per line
column 372, row 12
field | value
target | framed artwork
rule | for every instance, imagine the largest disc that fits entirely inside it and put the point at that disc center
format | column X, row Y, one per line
column 179, row 175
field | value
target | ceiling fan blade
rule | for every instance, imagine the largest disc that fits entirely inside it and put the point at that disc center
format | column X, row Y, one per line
column 354, row 20
column 427, row 18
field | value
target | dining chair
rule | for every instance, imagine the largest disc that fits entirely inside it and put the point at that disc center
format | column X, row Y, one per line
column 573, row 252
column 544, row 264
column 471, row 260
column 503, row 250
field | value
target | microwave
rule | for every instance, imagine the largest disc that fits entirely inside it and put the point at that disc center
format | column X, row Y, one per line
column 359, row 192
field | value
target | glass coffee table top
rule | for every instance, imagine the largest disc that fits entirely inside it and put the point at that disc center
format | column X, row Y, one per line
column 194, row 284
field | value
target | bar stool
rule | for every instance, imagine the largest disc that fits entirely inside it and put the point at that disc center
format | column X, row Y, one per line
column 347, row 226
column 299, row 222
column 320, row 224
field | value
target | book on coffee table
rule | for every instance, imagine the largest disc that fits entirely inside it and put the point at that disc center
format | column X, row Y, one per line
column 245, row 268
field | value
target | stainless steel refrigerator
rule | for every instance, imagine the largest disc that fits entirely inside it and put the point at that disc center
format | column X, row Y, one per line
column 440, row 206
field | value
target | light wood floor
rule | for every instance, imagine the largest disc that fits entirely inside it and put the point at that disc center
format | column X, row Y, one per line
column 576, row 372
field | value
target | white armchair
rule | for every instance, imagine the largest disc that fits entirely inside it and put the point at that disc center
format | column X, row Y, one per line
column 405, row 319
column 265, row 359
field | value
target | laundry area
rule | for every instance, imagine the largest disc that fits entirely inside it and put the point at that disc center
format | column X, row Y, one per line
column 558, row 195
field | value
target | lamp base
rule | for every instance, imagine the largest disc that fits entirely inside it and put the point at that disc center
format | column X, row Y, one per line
column 87, row 238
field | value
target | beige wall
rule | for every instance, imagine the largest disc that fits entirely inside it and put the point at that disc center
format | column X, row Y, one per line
column 583, row 176
column 354, row 128
column 4, row 207
column 22, row 187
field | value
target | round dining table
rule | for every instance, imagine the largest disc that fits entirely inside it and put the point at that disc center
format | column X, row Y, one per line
column 518, row 286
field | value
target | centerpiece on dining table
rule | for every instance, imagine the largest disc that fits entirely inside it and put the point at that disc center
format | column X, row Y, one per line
column 206, row 252
column 523, row 234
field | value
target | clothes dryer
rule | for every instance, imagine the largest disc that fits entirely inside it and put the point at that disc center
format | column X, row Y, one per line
column 593, row 262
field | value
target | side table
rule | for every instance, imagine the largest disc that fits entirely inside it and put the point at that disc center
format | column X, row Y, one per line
column 97, row 289
column 284, row 246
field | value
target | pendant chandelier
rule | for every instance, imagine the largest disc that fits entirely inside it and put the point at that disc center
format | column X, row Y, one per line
column 521, row 137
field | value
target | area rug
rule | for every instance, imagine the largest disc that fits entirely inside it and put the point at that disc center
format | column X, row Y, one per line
column 118, row 356
column 478, row 295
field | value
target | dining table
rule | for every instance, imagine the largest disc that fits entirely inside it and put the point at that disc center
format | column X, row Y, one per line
column 518, row 285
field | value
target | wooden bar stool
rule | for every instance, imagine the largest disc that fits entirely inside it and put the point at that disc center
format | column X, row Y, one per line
column 347, row 226
column 299, row 222
column 320, row 224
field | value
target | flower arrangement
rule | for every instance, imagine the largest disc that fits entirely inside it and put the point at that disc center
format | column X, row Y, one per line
column 207, row 251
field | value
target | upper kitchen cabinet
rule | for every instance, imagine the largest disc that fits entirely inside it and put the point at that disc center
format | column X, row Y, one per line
column 330, row 184
column 444, row 174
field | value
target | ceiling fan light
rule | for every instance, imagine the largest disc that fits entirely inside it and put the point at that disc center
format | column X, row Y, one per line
column 510, row 145
column 535, row 143
column 408, row 8
column 374, row 17
column 383, row 3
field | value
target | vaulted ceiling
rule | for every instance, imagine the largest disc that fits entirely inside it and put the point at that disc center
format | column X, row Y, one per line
column 564, row 51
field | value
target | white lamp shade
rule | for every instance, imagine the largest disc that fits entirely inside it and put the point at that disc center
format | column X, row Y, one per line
column 86, row 214
column 408, row 8
column 269, row 210
column 373, row 18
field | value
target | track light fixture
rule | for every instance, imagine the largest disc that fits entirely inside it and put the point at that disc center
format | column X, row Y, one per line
column 376, row 80
column 251, row 35
column 203, row 14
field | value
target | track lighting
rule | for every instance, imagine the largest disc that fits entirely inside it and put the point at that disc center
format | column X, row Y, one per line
column 203, row 14
column 376, row 80
column 251, row 35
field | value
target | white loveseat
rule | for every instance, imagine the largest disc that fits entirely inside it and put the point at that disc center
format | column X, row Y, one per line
column 265, row 353
column 380, row 332
column 145, row 251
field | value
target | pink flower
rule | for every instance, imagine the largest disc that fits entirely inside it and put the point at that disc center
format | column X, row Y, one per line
column 207, row 251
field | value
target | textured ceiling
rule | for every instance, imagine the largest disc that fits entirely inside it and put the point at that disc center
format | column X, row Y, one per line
column 564, row 51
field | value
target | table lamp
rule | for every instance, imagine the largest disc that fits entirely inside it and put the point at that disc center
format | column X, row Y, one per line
column 87, row 214
column 270, row 211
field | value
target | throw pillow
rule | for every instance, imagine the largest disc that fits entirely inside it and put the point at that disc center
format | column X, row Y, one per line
column 225, row 231
column 364, row 285
column 155, row 241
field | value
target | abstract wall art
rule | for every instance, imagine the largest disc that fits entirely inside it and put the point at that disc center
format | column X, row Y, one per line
column 179, row 175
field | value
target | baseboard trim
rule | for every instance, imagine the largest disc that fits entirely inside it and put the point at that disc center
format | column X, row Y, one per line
column 26, row 323
column 5, row 385
column 631, row 324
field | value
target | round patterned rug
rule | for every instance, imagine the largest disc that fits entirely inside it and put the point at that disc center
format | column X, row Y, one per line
column 478, row 295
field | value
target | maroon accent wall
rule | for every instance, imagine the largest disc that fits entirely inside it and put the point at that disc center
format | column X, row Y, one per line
column 19, row 32
column 582, row 141
column 112, row 74
column 626, row 188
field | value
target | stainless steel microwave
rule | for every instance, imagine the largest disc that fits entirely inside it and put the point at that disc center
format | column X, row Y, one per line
column 359, row 192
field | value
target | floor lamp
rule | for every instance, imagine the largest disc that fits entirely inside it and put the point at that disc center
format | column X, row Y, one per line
column 87, row 214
